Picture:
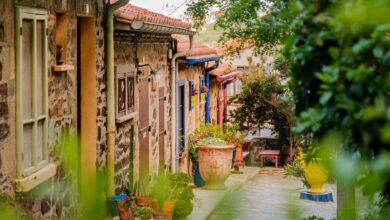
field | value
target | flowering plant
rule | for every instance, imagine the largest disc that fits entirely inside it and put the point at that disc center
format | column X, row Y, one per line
column 126, row 203
column 204, row 89
column 194, row 91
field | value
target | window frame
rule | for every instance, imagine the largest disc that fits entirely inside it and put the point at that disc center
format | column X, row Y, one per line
column 34, row 14
column 126, row 72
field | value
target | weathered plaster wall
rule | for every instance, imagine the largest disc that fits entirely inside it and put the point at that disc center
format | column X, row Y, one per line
column 196, row 115
column 154, row 54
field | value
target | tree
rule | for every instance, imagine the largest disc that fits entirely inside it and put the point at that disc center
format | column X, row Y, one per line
column 262, row 102
column 337, row 56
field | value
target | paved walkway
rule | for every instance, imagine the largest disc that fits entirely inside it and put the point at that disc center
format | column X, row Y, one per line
column 271, row 197
column 207, row 200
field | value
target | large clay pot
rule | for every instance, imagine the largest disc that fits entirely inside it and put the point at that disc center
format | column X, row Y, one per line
column 316, row 175
column 215, row 164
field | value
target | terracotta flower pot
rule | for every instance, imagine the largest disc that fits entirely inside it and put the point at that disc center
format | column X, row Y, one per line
column 167, row 211
column 125, row 213
column 215, row 164
column 161, row 216
column 143, row 201
column 169, row 206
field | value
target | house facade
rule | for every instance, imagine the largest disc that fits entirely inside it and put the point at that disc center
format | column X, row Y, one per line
column 54, row 80
column 51, row 82
column 144, row 49
column 192, row 88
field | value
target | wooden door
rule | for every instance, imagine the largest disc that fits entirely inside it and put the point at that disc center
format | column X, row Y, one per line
column 161, row 127
column 144, row 129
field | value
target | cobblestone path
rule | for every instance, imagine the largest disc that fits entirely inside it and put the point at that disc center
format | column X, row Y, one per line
column 272, row 197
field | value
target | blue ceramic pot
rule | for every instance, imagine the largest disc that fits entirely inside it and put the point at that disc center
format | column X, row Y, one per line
column 199, row 182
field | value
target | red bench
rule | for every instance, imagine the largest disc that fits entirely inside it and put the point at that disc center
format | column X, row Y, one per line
column 274, row 154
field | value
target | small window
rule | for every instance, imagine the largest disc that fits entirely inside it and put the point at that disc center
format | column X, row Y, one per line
column 124, row 92
column 32, row 91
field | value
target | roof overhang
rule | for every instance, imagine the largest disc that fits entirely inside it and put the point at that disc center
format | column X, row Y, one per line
column 227, row 78
column 201, row 59
column 142, row 26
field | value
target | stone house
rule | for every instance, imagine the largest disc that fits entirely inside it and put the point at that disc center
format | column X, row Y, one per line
column 52, row 79
column 192, row 103
column 55, row 79
column 144, row 50
column 220, row 78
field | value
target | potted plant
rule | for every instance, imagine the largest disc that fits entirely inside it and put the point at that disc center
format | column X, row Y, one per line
column 194, row 91
column 125, row 208
column 182, row 195
column 204, row 89
column 143, row 193
column 215, row 161
column 144, row 212
column 295, row 169
column 204, row 131
column 162, row 190
column 193, row 154
column 174, row 196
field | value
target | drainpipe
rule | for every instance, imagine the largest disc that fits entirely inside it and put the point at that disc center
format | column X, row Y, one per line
column 111, row 129
column 174, row 101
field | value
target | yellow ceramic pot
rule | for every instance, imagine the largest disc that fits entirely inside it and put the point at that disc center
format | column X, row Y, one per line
column 315, row 174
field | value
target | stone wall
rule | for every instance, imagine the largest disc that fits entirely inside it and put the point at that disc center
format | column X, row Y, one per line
column 154, row 54
column 7, row 97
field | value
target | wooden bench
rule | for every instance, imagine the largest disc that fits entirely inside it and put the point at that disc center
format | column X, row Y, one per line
column 274, row 154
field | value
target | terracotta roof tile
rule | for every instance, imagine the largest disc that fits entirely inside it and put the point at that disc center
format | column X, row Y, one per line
column 232, row 45
column 183, row 45
column 223, row 68
column 129, row 13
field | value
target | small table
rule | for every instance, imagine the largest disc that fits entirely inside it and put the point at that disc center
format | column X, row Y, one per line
column 269, row 153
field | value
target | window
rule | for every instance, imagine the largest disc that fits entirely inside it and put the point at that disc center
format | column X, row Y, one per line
column 238, row 87
column 125, row 87
column 31, row 90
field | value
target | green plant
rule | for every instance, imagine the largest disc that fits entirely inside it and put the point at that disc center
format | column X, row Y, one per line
column 313, row 217
column 204, row 131
column 161, row 189
column 144, row 212
column 174, row 186
column 213, row 141
column 143, row 187
column 182, row 194
column 295, row 169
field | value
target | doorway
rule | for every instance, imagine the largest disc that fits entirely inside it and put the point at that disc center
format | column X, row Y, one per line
column 86, row 99
column 181, row 116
